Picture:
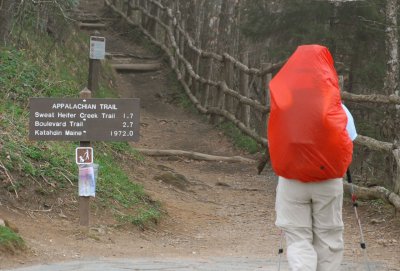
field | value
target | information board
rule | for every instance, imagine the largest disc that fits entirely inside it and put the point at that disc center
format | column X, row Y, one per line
column 97, row 47
column 95, row 119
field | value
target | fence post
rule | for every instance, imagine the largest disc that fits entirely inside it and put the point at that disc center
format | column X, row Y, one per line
column 143, row 4
column 341, row 82
column 228, row 77
column 396, row 181
column 265, row 78
column 152, row 23
column 197, row 71
column 182, row 51
column 130, row 8
column 206, row 92
column 219, row 97
column 125, row 5
column 244, row 90
column 170, row 25
column 177, row 38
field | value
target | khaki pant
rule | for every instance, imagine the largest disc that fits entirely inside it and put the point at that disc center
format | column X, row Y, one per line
column 310, row 214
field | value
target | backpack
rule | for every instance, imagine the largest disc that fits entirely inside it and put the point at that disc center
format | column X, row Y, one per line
column 306, row 132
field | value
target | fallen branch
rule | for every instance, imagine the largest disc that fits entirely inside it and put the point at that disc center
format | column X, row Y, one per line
column 195, row 155
column 139, row 67
column 66, row 177
column 376, row 192
column 49, row 183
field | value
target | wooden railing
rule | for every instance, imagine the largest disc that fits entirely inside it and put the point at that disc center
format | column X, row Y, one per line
column 218, row 84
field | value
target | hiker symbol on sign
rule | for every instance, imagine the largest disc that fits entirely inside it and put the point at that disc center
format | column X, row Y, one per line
column 84, row 155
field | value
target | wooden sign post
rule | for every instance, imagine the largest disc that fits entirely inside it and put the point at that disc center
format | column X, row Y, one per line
column 97, row 53
column 85, row 119
column 84, row 202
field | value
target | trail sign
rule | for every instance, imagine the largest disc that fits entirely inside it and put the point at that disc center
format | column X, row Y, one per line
column 84, row 155
column 97, row 47
column 84, row 119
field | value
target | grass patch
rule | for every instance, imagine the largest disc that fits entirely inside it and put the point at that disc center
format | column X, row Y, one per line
column 143, row 218
column 114, row 184
column 128, row 200
column 239, row 139
column 126, row 149
column 179, row 96
column 10, row 242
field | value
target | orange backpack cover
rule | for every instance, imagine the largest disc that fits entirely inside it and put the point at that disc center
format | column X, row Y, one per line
column 307, row 134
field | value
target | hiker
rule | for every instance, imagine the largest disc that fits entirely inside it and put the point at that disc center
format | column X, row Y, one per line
column 310, row 135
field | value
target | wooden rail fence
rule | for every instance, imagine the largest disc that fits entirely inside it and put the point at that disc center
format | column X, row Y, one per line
column 219, row 85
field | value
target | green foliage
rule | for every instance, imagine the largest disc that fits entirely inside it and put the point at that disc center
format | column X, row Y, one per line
column 10, row 241
column 23, row 76
column 29, row 158
column 352, row 30
column 283, row 27
column 184, row 101
column 44, row 17
column 377, row 203
column 178, row 95
column 239, row 139
column 143, row 218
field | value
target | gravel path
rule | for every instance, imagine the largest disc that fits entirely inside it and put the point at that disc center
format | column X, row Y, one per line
column 216, row 264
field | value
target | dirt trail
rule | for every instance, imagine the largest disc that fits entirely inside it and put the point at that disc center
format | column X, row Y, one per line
column 223, row 209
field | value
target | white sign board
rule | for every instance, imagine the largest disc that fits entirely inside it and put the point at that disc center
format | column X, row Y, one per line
column 87, row 181
column 97, row 47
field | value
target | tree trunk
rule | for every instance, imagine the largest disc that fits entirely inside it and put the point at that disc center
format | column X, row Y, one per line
column 207, row 34
column 224, row 45
column 151, row 23
column 191, row 17
column 236, row 37
column 225, row 26
column 6, row 15
column 392, row 40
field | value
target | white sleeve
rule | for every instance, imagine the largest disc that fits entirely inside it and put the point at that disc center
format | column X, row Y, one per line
column 351, row 128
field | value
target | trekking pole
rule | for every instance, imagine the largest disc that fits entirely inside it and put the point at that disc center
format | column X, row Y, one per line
column 280, row 251
column 355, row 205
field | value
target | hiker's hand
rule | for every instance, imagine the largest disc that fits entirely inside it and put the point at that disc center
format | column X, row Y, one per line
column 262, row 161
